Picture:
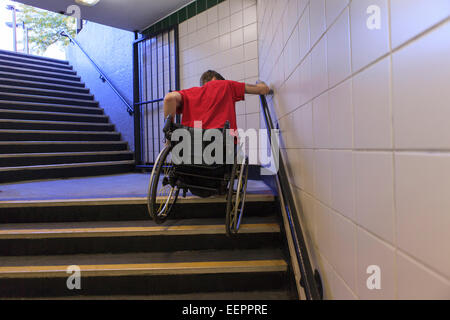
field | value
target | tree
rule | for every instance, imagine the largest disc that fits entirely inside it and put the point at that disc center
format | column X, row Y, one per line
column 45, row 27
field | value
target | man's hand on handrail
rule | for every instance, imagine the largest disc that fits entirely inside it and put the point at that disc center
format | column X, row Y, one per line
column 259, row 88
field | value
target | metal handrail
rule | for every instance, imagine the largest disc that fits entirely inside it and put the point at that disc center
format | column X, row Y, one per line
column 310, row 280
column 103, row 77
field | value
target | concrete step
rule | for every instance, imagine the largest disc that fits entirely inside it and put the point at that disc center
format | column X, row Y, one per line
column 19, row 124
column 52, row 116
column 125, row 209
column 146, row 273
column 24, row 173
column 31, row 60
column 7, row 147
column 42, row 85
column 13, row 97
column 26, row 71
column 35, row 159
column 50, row 107
column 54, row 135
column 45, row 78
column 29, row 56
column 36, row 66
column 135, row 236
column 46, row 92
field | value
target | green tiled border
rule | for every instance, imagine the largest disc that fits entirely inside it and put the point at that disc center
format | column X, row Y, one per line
column 181, row 15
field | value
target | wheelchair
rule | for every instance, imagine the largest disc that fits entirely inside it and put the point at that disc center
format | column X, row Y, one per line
column 170, row 176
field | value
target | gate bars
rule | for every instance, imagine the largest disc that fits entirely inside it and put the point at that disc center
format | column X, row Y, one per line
column 156, row 73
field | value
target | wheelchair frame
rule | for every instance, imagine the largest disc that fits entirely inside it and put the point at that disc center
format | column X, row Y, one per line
column 161, row 200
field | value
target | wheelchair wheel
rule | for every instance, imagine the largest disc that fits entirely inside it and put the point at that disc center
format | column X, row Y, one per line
column 236, row 197
column 161, row 196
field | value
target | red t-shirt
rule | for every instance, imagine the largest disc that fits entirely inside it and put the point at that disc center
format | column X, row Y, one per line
column 213, row 104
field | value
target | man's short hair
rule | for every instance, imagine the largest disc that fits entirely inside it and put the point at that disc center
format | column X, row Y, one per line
column 209, row 75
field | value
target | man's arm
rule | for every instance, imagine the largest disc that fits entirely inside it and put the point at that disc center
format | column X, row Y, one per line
column 260, row 88
column 172, row 101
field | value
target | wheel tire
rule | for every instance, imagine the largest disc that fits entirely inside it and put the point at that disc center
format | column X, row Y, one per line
column 235, row 205
column 158, row 214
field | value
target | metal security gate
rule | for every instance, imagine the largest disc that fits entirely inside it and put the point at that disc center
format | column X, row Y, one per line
column 156, row 73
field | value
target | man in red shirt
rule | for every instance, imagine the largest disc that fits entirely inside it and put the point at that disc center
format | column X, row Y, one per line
column 213, row 103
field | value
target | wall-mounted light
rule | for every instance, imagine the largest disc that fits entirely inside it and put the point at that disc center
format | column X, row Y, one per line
column 88, row 3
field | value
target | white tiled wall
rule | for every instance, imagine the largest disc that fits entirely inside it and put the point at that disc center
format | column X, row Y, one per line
column 223, row 38
column 365, row 118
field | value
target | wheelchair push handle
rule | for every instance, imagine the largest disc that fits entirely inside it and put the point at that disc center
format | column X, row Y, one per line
column 168, row 125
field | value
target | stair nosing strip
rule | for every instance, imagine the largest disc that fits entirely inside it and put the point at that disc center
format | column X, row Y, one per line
column 30, row 65
column 43, row 97
column 5, row 73
column 30, row 103
column 5, row 143
column 56, row 122
column 103, row 232
column 59, row 132
column 43, row 90
column 20, row 54
column 151, row 269
column 120, row 201
column 63, row 154
column 67, row 66
column 50, row 113
column 67, row 88
column 67, row 165
column 21, row 70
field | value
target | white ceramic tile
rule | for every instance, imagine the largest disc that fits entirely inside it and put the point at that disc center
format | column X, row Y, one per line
column 373, row 120
column 290, row 19
column 368, row 44
column 321, row 122
column 236, row 21
column 225, row 42
column 317, row 19
column 250, row 33
column 342, row 183
column 417, row 282
column 213, row 14
column 183, row 28
column 306, row 205
column 252, row 103
column 304, row 34
column 341, row 116
column 224, row 9
column 291, row 54
column 338, row 46
column 333, row 9
column 224, row 26
column 235, row 6
column 344, row 249
column 373, row 252
column 420, row 103
column 237, row 38
column 319, row 73
column 251, row 50
column 341, row 290
column 374, row 193
column 251, row 68
column 305, row 87
column 202, row 20
column 192, row 24
column 322, row 175
column 422, row 202
column 248, row 3
column 253, row 121
column 324, row 229
column 249, row 15
column 411, row 17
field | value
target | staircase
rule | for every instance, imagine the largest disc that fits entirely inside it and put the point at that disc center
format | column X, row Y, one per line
column 124, row 255
column 51, row 126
